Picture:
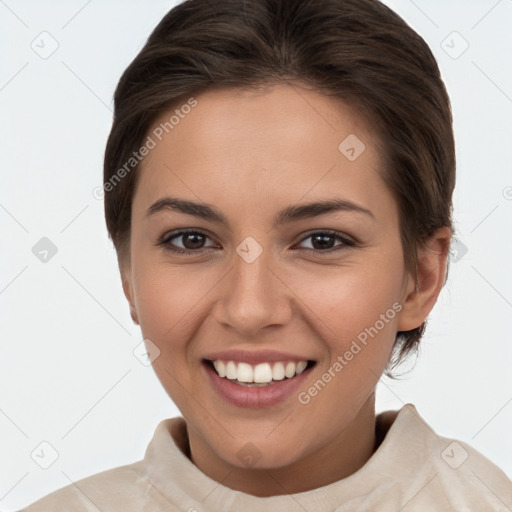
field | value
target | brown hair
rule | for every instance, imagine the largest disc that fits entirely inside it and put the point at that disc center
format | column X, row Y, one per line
column 359, row 51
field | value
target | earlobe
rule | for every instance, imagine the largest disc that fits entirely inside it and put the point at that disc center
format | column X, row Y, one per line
column 128, row 292
column 422, row 295
column 133, row 314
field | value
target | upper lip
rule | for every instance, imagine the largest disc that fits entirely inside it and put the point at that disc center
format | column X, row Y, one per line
column 254, row 357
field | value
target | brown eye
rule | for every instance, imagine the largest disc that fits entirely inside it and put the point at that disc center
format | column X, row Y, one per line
column 323, row 241
column 185, row 242
column 192, row 240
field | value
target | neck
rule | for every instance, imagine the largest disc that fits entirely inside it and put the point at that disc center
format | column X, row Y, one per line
column 338, row 458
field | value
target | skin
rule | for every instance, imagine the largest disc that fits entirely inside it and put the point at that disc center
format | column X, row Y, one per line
column 250, row 154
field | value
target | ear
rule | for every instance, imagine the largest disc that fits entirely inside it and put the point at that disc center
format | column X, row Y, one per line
column 127, row 281
column 421, row 296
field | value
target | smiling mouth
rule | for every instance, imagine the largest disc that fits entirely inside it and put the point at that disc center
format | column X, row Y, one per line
column 259, row 375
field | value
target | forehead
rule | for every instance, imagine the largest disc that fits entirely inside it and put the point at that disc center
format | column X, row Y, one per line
column 278, row 116
column 280, row 143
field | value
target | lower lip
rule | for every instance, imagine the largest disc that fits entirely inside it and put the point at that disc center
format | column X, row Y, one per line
column 254, row 397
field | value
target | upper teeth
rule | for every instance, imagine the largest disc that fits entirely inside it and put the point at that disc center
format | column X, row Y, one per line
column 260, row 373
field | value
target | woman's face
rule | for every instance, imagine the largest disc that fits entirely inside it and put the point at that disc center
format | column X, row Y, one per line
column 261, row 287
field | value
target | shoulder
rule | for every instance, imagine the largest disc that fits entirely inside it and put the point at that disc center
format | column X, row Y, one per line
column 448, row 471
column 123, row 488
column 466, row 475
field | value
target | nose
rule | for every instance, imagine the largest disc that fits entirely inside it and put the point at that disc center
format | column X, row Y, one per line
column 254, row 296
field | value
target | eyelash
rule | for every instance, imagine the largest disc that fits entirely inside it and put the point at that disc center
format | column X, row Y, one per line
column 165, row 242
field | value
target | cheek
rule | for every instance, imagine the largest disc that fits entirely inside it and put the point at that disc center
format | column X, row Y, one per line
column 349, row 298
column 355, row 314
column 166, row 296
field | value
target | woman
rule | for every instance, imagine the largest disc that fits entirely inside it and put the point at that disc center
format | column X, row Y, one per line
column 278, row 187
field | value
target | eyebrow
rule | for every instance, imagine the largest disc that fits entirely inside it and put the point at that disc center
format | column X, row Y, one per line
column 287, row 215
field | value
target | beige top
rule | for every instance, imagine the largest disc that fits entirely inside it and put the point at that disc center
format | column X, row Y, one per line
column 413, row 469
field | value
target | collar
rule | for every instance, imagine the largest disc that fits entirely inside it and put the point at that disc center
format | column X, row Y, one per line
column 403, row 434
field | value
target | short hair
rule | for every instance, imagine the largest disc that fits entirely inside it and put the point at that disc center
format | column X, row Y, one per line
column 358, row 51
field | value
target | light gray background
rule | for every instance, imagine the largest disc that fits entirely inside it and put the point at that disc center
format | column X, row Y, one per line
column 68, row 375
